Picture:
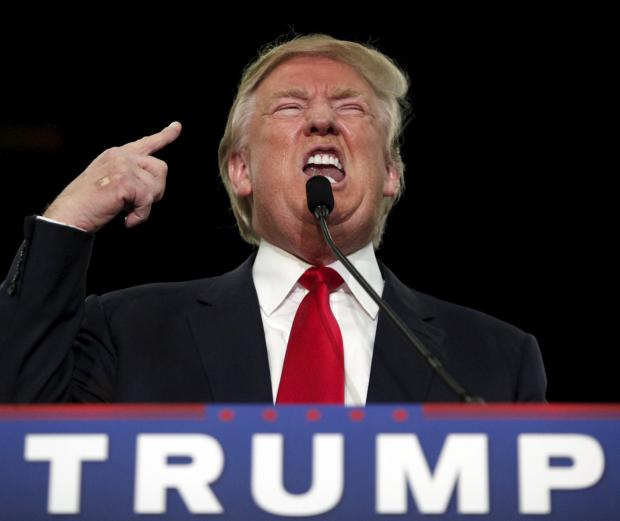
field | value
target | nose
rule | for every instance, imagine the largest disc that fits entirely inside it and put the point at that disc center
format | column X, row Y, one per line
column 321, row 121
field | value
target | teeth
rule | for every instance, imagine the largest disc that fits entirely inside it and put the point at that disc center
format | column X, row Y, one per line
column 332, row 181
column 324, row 159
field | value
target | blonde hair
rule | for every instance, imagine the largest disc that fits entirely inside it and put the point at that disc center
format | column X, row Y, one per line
column 390, row 85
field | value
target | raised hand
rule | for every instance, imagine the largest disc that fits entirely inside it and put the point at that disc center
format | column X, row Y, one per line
column 121, row 178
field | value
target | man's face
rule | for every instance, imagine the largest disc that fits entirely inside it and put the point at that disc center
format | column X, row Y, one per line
column 314, row 116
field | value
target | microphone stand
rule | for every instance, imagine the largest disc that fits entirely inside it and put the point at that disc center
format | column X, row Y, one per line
column 321, row 211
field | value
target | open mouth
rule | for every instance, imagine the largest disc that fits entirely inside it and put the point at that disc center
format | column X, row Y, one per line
column 325, row 163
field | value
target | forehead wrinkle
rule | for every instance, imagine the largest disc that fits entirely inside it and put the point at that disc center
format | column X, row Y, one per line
column 337, row 93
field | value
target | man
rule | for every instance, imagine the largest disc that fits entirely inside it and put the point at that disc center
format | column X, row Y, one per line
column 311, row 106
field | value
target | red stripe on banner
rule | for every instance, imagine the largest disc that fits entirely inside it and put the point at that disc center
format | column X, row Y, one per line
column 539, row 410
column 102, row 412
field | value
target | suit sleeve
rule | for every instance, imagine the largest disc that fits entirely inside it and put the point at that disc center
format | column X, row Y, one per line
column 41, row 308
column 532, row 380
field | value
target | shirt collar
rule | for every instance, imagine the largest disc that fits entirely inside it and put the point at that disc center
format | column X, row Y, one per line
column 275, row 273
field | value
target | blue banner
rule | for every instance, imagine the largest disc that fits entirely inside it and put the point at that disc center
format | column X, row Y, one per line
column 123, row 462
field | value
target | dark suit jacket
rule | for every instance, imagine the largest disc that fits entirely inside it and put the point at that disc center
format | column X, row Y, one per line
column 203, row 340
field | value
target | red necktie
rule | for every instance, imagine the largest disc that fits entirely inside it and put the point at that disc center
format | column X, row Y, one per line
column 314, row 363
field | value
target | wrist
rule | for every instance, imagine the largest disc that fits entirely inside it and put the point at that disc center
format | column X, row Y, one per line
column 59, row 215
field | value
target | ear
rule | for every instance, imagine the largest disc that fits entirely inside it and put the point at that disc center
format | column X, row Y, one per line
column 239, row 175
column 391, row 182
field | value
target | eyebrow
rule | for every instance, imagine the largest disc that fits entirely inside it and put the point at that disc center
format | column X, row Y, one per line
column 290, row 93
column 346, row 93
column 302, row 94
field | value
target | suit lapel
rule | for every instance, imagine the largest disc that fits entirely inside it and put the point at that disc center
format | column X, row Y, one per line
column 398, row 373
column 229, row 336
column 227, row 329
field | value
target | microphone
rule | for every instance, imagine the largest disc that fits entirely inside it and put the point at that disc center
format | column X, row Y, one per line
column 321, row 203
column 319, row 193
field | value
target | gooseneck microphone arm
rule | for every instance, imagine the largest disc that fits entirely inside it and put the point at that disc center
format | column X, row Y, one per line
column 321, row 203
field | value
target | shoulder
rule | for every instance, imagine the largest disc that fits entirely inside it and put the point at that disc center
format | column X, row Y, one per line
column 466, row 319
column 174, row 296
column 165, row 293
column 489, row 356
column 460, row 324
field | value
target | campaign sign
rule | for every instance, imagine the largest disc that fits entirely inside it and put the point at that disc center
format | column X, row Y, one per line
column 177, row 462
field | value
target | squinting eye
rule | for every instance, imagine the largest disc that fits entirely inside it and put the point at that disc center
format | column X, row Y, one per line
column 351, row 109
column 288, row 110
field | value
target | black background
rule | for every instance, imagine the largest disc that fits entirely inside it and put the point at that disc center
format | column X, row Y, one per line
column 505, row 208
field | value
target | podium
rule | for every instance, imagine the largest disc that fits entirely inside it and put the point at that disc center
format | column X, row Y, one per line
column 242, row 462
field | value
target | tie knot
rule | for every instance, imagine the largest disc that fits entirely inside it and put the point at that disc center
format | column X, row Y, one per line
column 318, row 275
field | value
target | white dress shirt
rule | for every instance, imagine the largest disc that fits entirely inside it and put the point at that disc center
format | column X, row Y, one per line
column 276, row 272
column 61, row 224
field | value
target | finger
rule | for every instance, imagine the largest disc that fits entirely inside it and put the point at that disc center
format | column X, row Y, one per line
column 150, row 144
column 156, row 167
column 140, row 208
column 153, row 186
column 137, row 216
column 146, row 191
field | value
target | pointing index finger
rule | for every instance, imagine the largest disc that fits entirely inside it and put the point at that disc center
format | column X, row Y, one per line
column 149, row 144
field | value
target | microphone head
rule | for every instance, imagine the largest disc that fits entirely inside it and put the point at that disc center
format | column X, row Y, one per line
column 319, row 192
